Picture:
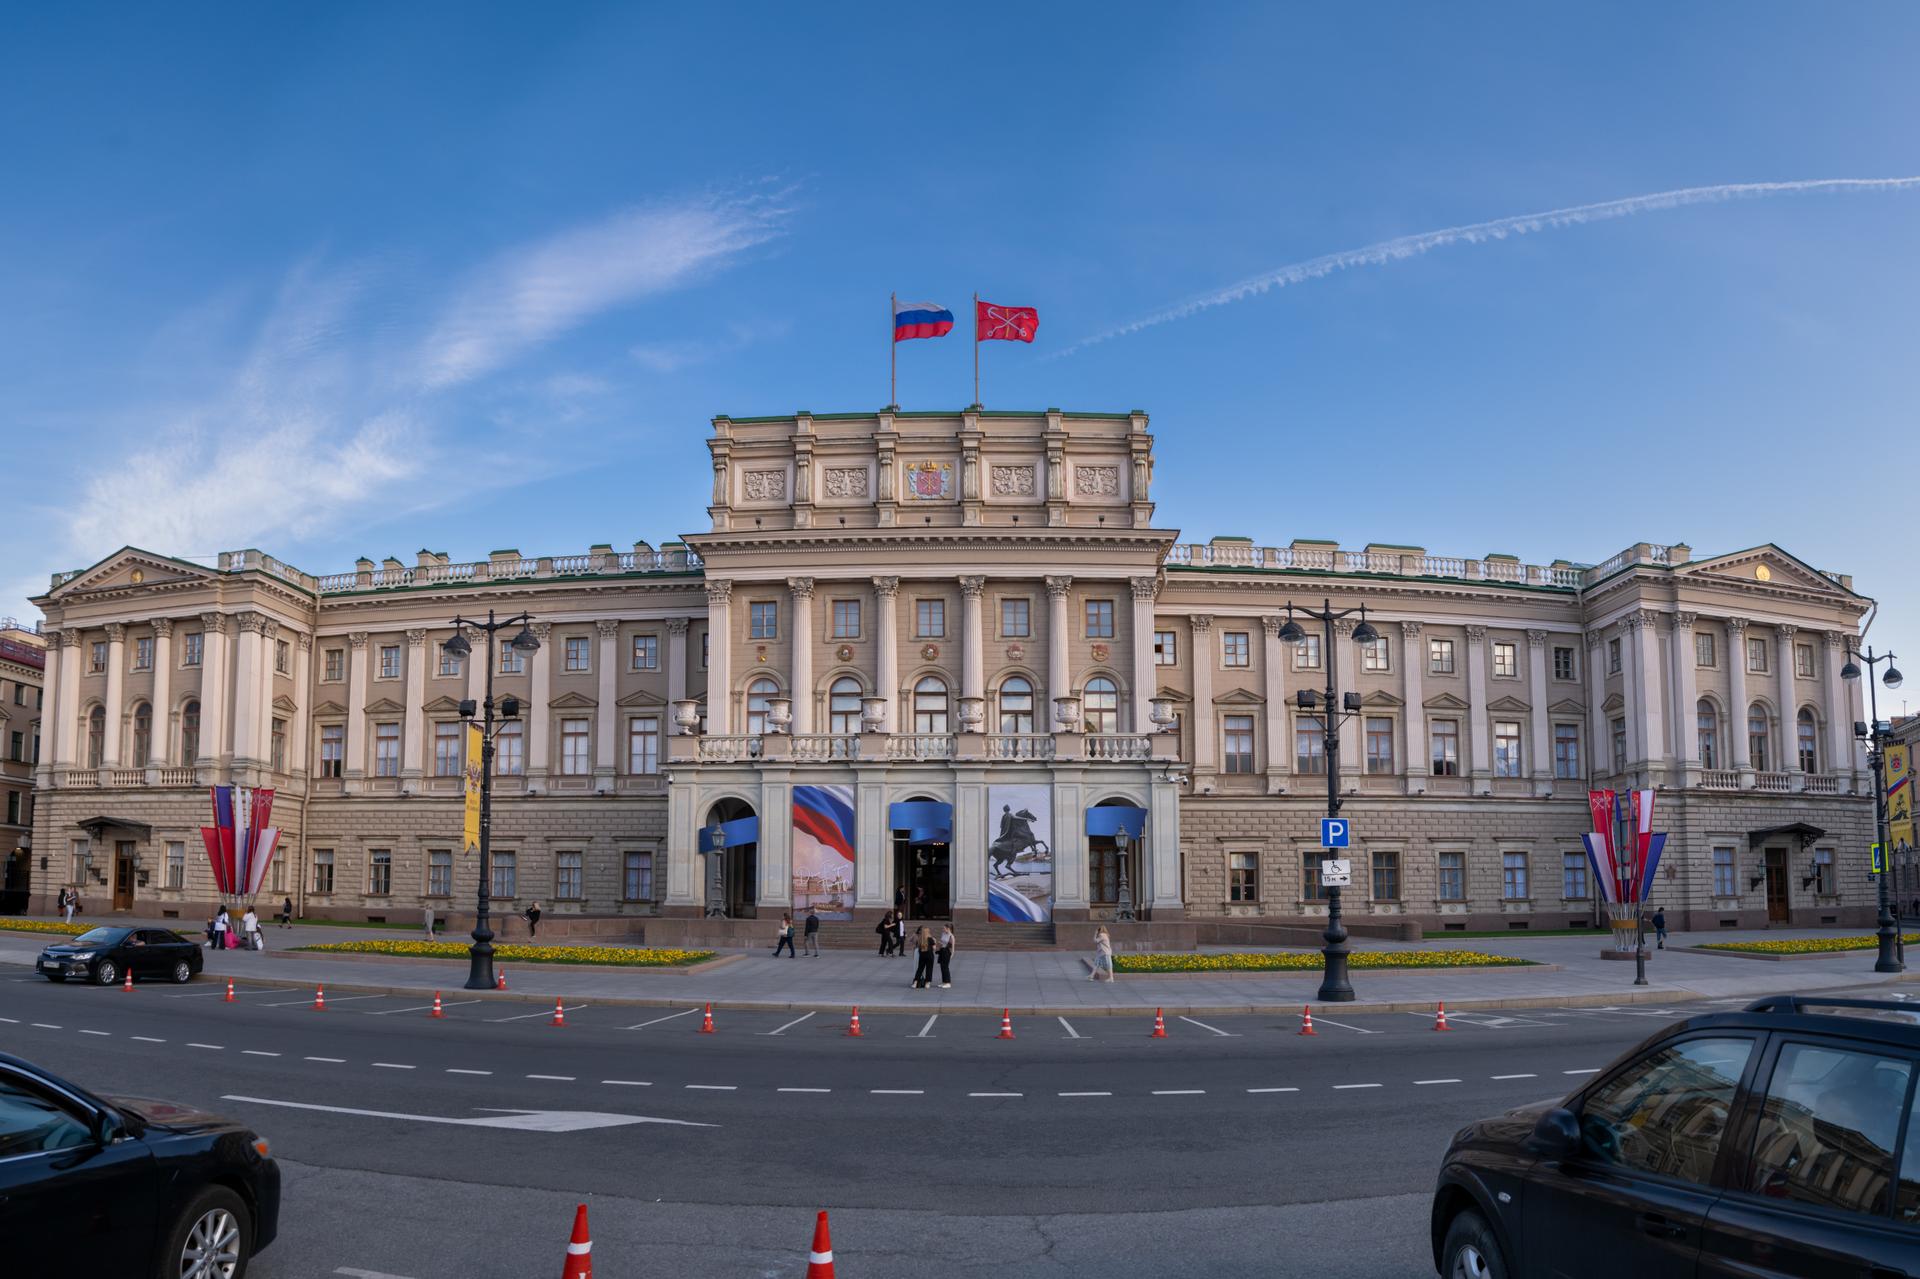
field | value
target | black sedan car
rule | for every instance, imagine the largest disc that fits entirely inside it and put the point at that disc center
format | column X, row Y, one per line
column 1783, row 1140
column 127, row 1188
column 106, row 954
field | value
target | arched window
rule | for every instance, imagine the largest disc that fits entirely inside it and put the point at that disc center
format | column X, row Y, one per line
column 189, row 733
column 1101, row 706
column 843, row 706
column 758, row 694
column 142, row 736
column 930, row 706
column 1757, row 735
column 1016, row 706
column 96, row 736
column 1709, row 735
column 1809, row 742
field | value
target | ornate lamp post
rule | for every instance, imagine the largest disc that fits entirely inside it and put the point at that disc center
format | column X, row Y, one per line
column 480, row 954
column 1335, row 987
column 714, row 852
column 1874, row 733
column 1123, row 848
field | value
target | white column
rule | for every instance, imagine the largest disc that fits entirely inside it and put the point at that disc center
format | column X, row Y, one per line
column 216, row 686
column 1599, row 731
column 1144, row 589
column 1630, row 690
column 539, row 690
column 413, row 734
column 1479, row 753
column 1686, row 698
column 973, row 678
column 801, row 674
column 1736, row 646
column 52, row 711
column 1789, row 699
column 1059, row 678
column 887, row 645
column 606, row 712
column 1279, row 742
column 476, row 669
column 69, row 747
column 719, row 657
column 160, row 750
column 1652, row 709
column 1353, row 763
column 302, row 702
column 1418, row 763
column 246, row 691
column 1839, row 708
column 1540, row 749
column 676, row 666
column 116, row 692
column 356, row 762
column 263, row 701
column 1204, row 743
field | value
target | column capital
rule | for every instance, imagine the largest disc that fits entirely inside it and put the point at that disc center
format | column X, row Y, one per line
column 1144, row 588
column 541, row 630
column 886, row 587
column 1536, row 638
column 116, row 632
column 802, row 587
column 607, row 627
column 1345, row 627
column 1198, row 621
column 1835, row 639
column 676, row 626
column 1786, row 630
column 1272, row 624
column 251, row 623
column 1057, row 587
column 1408, row 630
column 73, row 636
column 719, row 590
column 1596, row 637
column 269, row 627
column 163, row 627
column 1735, row 625
column 1475, row 633
column 1637, row 619
column 304, row 640
column 213, row 623
column 1682, row 620
column 416, row 638
column 357, row 639
column 971, row 587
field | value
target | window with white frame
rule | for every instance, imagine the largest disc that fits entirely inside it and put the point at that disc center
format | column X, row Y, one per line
column 1803, row 661
column 636, row 880
column 643, row 745
column 1099, row 619
column 176, row 864
column 1823, row 872
column 843, row 706
column 760, row 695
column 1444, row 737
column 763, row 619
column 1243, row 877
column 99, row 657
column 277, row 745
column 1016, row 705
column 449, row 662
column 1311, row 889
column 512, row 660
column 1808, row 735
column 143, row 735
column 1237, row 743
column 1613, row 657
column 1386, row 875
column 449, row 741
column 509, row 750
column 1235, row 649
column 1375, row 655
column 1166, row 648
column 279, row 875
column 79, row 850
column 1757, row 655
column 569, row 876
column 143, row 653
column 506, row 873
column 386, row 750
column 1563, row 667
column 929, row 619
column 1513, row 877
column 1450, row 884
column 389, row 661
column 644, row 653
column 1100, row 706
column 578, row 651
column 190, row 732
column 1309, row 745
column 1703, row 648
column 1306, row 653
column 1440, row 656
column 1759, row 733
column 930, row 705
column 1506, row 659
column 282, row 656
column 1506, row 748
column 1379, row 744
column 576, row 747
column 440, row 872
column 1726, row 875
column 379, row 872
column 322, row 871
column 1566, row 752
column 192, row 647
column 1016, row 618
column 846, row 619
column 333, row 665
column 96, row 737
column 1573, row 876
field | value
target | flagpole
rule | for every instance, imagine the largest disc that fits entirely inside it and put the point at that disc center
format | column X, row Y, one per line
column 893, row 353
column 976, row 350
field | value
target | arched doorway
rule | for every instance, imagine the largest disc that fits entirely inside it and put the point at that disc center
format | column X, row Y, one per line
column 1106, row 860
column 739, row 864
column 923, row 857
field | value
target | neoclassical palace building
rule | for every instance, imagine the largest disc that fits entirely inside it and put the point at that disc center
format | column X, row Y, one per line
column 948, row 660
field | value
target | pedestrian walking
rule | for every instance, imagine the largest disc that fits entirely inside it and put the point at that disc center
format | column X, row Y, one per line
column 286, row 913
column 220, row 925
column 945, row 955
column 532, row 915
column 899, row 932
column 1660, row 929
column 813, row 933
column 67, row 899
column 426, row 913
column 250, row 929
column 923, row 958
column 1102, row 954
column 885, row 929
column 785, row 938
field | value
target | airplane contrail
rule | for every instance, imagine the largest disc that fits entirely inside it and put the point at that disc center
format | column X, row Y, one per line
column 1409, row 246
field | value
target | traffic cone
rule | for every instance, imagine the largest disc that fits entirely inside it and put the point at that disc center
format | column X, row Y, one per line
column 436, row 1005
column 1306, row 1022
column 1440, row 1017
column 126, row 987
column 229, row 998
column 706, row 1021
column 1159, row 1026
column 559, row 1013
column 853, row 1028
column 820, row 1257
column 1006, row 1027
column 319, row 999
column 500, row 980
column 579, row 1249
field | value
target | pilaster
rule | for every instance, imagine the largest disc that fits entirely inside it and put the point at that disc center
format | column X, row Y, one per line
column 1540, row 749
column 539, row 696
column 160, row 751
column 1418, row 761
column 887, row 647
column 606, row 711
column 1737, row 752
column 1204, row 744
column 356, row 762
column 116, row 693
column 1059, row 678
column 413, row 741
column 719, row 656
column 801, row 589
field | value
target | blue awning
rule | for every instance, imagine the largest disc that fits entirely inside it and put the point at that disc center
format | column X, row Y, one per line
column 741, row 830
column 1111, row 819
column 926, row 821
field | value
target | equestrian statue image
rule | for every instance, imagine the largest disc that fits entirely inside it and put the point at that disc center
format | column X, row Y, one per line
column 1016, row 837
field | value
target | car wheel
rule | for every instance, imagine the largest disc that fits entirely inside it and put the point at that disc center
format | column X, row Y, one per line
column 105, row 974
column 182, row 972
column 211, row 1240
column 1471, row 1251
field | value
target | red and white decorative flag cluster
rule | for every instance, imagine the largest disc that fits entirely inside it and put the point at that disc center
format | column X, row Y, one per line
column 240, row 844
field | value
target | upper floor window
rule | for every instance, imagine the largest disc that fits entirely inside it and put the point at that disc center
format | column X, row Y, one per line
column 277, row 745
column 333, row 664
column 98, row 655
column 1759, row 727
column 1440, row 656
column 389, row 661
column 1374, row 655
column 96, row 736
column 643, row 745
column 763, row 619
column 1099, row 619
column 930, row 706
column 143, row 653
column 1757, row 655
column 1506, row 748
column 449, row 662
column 1306, row 653
column 846, row 619
column 1445, row 735
column 512, row 660
column 1809, row 738
column 1506, row 661
column 1166, row 648
column 760, row 695
column 1379, row 744
column 646, row 653
column 447, row 743
column 1237, row 752
column 282, row 656
column 1619, row 727
column 1703, row 654
column 1708, row 730
column 386, row 750
column 142, row 735
column 190, row 732
column 1309, row 745
column 929, row 618
column 1235, row 649
column 1563, row 663
column 1016, row 705
column 1803, row 660
column 1613, row 657
column 576, row 747
column 509, row 750
column 1016, row 619
column 578, row 653
column 843, row 706
column 1101, row 706
column 333, row 749
column 191, row 648
column 1566, row 752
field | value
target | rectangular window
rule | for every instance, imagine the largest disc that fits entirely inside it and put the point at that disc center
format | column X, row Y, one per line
column 386, row 750
column 282, row 656
column 277, row 746
column 636, row 881
column 333, row 665
column 1311, row 889
column 512, row 660
column 506, row 874
column 643, row 745
column 1166, row 648
column 1234, row 649
column 1374, row 655
column 176, row 864
column 279, row 875
column 1306, row 653
column 1506, row 748
column 1757, row 655
column 1445, row 735
column 569, row 877
column 1726, row 881
column 763, row 619
column 929, row 619
column 1563, row 663
column 1506, row 661
column 190, row 650
column 1440, row 656
column 646, row 649
column 1613, row 657
column 448, row 743
column 1016, row 622
column 578, row 653
column 576, row 747
column 1099, row 619
column 1573, row 876
column 1238, row 749
column 13, row 808
column 1619, row 745
column 1803, row 661
column 99, row 656
column 1379, row 745
column 1386, row 876
column 1566, row 752
column 509, row 754
column 17, row 748
column 1513, row 876
column 1823, row 872
column 379, row 872
column 440, row 872
column 322, row 871
column 1309, row 746
column 449, row 663
column 846, row 619
column 143, row 653
column 79, row 850
column 1703, row 648
column 1451, row 885
column 1243, row 877
column 704, row 648
column 389, row 661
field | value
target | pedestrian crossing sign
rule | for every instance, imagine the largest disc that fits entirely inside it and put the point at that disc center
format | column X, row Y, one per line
column 1879, row 866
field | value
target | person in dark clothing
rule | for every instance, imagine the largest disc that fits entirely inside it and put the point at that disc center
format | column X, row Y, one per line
column 532, row 915
column 923, row 958
column 785, row 938
column 886, row 933
column 1660, row 929
column 286, row 913
column 945, row 954
column 813, row 933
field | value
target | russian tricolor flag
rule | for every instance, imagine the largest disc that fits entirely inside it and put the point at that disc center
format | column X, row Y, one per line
column 920, row 320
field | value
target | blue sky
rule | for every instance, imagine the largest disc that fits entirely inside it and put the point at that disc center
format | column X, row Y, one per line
column 495, row 266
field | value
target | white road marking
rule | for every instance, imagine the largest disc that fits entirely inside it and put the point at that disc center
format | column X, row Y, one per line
column 628, row 1083
column 714, row 1087
column 11, row 1021
column 149, row 1039
column 462, row 1070
column 1070, row 1030
column 1084, row 1094
column 898, row 1092
column 337, row 999
column 420, row 1008
column 1339, row 1087
column 1179, row 1092
column 96, row 1032
column 1436, row 1081
column 669, row 1017
column 924, row 1029
column 392, row 1065
column 996, row 1094
column 1224, row 1034
column 523, row 1120
column 1513, row 1076
column 352, row 1273
column 803, row 1090
column 44, row 1025
column 215, row 1047
column 1591, row 1070
column 1273, row 1090
column 789, row 1026
column 257, row 1052
column 335, row 1060
column 1362, row 1030
column 544, row 1012
column 561, row 1079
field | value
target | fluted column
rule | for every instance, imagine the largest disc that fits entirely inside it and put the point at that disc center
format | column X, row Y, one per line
column 1205, row 747
column 70, row 727
column 1279, row 742
column 1630, row 690
column 1059, row 676
column 263, row 699
column 801, row 589
column 1651, row 711
column 676, row 666
column 1833, row 651
column 719, row 656
column 160, row 749
column 1736, row 646
column 51, row 711
column 1144, row 590
column 606, row 694
column 1540, row 749
column 246, row 692
column 1789, row 699
column 539, row 691
column 1353, row 762
column 1599, row 734
column 302, row 703
column 973, row 677
column 116, row 692
column 887, row 645
column 1417, row 765
column 356, row 762
column 413, row 733
column 1686, row 699
column 1479, row 753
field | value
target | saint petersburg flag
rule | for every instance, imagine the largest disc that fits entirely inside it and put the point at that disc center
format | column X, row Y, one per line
column 920, row 320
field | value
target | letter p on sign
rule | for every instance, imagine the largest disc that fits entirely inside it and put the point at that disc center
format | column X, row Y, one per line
column 1333, row 832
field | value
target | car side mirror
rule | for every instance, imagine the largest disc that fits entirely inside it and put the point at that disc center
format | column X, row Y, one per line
column 1556, row 1135
column 108, row 1128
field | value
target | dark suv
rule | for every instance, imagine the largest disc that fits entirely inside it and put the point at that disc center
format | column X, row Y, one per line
column 1783, row 1140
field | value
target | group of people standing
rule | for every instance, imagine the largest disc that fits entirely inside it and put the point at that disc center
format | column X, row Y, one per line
column 785, row 938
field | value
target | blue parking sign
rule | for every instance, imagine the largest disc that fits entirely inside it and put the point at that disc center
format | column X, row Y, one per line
column 1333, row 832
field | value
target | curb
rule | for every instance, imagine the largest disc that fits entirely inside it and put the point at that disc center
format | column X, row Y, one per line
column 1244, row 973
column 335, row 956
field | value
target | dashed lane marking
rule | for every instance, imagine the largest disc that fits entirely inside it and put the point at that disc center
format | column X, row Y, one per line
column 1513, row 1076
column 337, row 1061
column 544, row 1012
column 559, row 1079
column 257, row 1052
column 1179, row 1092
column 789, row 1026
column 1342, row 1087
column 352, row 1273
column 996, row 1094
column 898, row 1092
column 97, row 1032
column 713, row 1087
column 44, row 1025
column 1590, row 1070
column 1273, row 1090
column 627, row 1083
column 11, row 1021
column 1083, row 1094
column 462, row 1070
column 1070, row 1030
column 926, row 1029
column 795, row 1089
column 1224, row 1034
column 669, row 1017
column 214, row 1047
column 149, row 1039
column 393, row 1065
column 1422, row 1082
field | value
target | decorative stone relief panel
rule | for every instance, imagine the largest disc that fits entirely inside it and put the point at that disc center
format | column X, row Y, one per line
column 1096, row 481
column 846, row 482
column 764, row 486
column 1013, row 481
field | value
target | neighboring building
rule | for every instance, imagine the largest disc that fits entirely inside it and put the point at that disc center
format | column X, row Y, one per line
column 916, row 637
column 23, row 660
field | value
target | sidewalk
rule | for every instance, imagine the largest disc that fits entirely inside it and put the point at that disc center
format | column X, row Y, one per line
column 1054, row 982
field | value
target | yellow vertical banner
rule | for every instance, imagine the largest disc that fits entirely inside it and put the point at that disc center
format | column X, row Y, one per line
column 1900, row 784
column 474, row 742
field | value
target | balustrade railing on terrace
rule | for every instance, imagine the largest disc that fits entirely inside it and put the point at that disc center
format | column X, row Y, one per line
column 1127, row 746
column 1772, row 783
column 178, row 777
column 1326, row 559
column 600, row 563
column 1820, row 784
column 920, row 746
column 816, row 748
column 729, row 749
column 82, row 778
column 1019, row 746
column 1719, row 779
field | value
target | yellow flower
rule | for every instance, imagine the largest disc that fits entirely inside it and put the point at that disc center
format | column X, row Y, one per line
column 1160, row 962
column 45, row 926
column 1806, row 945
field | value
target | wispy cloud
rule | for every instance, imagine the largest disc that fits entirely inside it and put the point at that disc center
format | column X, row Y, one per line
column 533, row 293
column 670, row 357
column 1410, row 246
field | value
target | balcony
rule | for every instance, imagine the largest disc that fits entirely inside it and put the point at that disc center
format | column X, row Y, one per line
column 732, row 749
column 1027, row 746
column 825, row 748
column 1822, row 785
column 1719, row 779
column 1772, row 783
column 1126, row 747
column 920, row 746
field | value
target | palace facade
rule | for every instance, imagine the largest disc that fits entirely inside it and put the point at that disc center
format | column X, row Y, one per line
column 954, row 651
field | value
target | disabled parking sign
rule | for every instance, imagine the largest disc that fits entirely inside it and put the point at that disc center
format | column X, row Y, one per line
column 1333, row 832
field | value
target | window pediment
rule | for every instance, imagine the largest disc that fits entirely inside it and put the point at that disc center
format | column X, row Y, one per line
column 641, row 697
column 1568, row 706
column 1240, row 697
column 1380, row 697
column 572, row 702
column 385, row 706
column 1509, row 703
column 1445, row 702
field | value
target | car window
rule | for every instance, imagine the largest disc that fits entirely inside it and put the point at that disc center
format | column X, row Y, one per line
column 1829, row 1127
column 100, row 937
column 156, row 936
column 1666, row 1113
column 31, row 1124
column 1906, row 1198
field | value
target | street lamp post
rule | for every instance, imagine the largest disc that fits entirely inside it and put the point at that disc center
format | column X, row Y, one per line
column 1122, row 847
column 1335, row 987
column 715, row 852
column 1874, row 733
column 480, row 954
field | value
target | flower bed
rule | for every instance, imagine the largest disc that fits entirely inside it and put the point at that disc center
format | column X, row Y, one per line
column 45, row 926
column 1804, row 945
column 618, row 956
column 1243, row 962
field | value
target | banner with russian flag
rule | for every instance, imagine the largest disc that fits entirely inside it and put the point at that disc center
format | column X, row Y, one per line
column 824, row 836
column 920, row 320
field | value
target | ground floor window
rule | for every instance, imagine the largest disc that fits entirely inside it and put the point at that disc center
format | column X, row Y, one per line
column 505, row 876
column 79, row 849
column 1311, row 889
column 1513, row 876
column 379, row 872
column 1243, row 877
column 1823, row 872
column 1573, row 876
column 322, row 871
column 1386, row 876
column 440, row 873
column 568, row 877
column 176, row 864
column 1452, row 882
column 637, row 882
column 1726, row 881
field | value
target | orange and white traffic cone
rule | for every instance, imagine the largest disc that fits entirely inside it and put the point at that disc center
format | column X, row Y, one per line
column 500, row 980
column 1440, row 1017
column 820, row 1256
column 559, row 1013
column 579, row 1249
column 126, row 987
column 706, row 1021
column 1006, row 1025
column 436, row 1005
column 320, row 999
column 229, row 998
column 1159, row 1026
column 1306, row 1022
column 853, row 1027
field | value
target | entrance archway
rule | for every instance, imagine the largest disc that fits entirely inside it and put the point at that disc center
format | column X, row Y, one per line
column 1104, row 861
column 923, row 866
column 739, row 864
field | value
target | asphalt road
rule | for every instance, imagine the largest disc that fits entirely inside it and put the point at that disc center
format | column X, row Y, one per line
column 456, row 1148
